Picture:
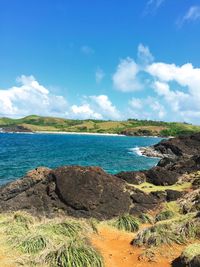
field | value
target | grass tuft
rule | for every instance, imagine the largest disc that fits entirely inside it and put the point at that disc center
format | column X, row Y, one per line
column 22, row 218
column 190, row 252
column 69, row 229
column 167, row 233
column 75, row 256
column 145, row 218
column 127, row 223
column 164, row 215
column 33, row 244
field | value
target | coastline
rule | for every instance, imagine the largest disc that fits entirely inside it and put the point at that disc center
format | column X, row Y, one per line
column 77, row 133
column 85, row 133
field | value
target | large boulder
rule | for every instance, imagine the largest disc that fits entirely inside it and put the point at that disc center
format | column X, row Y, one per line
column 185, row 145
column 143, row 202
column 132, row 177
column 161, row 176
column 76, row 191
column 91, row 190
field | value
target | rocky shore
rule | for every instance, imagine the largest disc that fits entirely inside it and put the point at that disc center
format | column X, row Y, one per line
column 166, row 197
column 91, row 192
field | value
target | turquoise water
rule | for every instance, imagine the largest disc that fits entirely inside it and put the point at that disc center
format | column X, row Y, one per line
column 20, row 153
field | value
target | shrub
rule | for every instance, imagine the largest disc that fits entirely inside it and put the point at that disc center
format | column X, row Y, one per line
column 23, row 218
column 127, row 222
column 75, row 255
column 167, row 233
column 144, row 218
column 33, row 244
column 69, row 229
column 164, row 215
column 190, row 252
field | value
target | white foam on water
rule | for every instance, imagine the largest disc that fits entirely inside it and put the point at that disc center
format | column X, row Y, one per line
column 136, row 150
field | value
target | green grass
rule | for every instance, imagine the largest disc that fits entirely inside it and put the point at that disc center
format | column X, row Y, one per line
column 49, row 242
column 179, row 232
column 33, row 244
column 148, row 187
column 75, row 255
column 164, row 215
column 69, row 229
column 127, row 223
column 191, row 251
column 39, row 123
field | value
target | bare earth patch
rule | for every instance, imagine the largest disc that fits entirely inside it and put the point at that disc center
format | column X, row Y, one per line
column 115, row 247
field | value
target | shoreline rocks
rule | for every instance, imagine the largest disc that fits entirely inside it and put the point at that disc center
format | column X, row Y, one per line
column 90, row 192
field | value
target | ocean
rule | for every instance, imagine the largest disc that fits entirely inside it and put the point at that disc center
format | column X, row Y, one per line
column 20, row 153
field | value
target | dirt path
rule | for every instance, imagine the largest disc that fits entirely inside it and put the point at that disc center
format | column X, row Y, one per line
column 115, row 247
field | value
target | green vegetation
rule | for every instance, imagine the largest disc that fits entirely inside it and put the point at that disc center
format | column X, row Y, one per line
column 33, row 244
column 127, row 223
column 74, row 256
column 48, row 242
column 131, row 126
column 145, row 218
column 190, row 252
column 175, row 231
column 148, row 187
column 164, row 215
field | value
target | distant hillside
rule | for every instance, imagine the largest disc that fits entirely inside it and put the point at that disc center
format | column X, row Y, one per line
column 129, row 127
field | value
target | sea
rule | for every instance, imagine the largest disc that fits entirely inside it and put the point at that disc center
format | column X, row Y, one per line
column 21, row 152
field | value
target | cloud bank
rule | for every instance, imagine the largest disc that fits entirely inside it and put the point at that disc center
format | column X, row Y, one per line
column 30, row 97
column 173, row 91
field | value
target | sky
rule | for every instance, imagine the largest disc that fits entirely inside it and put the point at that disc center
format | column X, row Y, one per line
column 100, row 59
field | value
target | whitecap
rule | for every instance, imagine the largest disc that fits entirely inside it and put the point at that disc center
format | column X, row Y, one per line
column 136, row 150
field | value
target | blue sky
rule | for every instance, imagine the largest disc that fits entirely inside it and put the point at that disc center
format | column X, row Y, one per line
column 104, row 59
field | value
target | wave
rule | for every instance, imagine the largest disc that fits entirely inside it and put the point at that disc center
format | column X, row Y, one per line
column 136, row 150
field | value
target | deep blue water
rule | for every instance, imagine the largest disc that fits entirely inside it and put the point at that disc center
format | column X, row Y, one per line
column 20, row 153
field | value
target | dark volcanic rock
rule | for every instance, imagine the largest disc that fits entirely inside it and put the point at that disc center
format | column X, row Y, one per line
column 185, row 165
column 195, row 262
column 132, row 177
column 188, row 145
column 161, row 176
column 142, row 202
column 173, row 195
column 92, row 190
column 77, row 191
column 15, row 128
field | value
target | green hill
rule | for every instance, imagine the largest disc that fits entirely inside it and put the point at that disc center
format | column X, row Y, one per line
column 129, row 127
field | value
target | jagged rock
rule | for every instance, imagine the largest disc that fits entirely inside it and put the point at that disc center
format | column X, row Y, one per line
column 190, row 202
column 173, row 195
column 76, row 191
column 142, row 202
column 161, row 176
column 132, row 177
column 185, row 145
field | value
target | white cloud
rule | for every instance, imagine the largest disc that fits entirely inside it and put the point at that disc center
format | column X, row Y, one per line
column 30, row 98
column 136, row 103
column 185, row 99
column 95, row 107
column 99, row 75
column 193, row 14
column 185, row 75
column 125, row 78
column 103, row 104
column 152, row 6
column 144, row 55
column 84, row 112
column 176, row 87
column 157, row 108
column 149, row 107
column 87, row 50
